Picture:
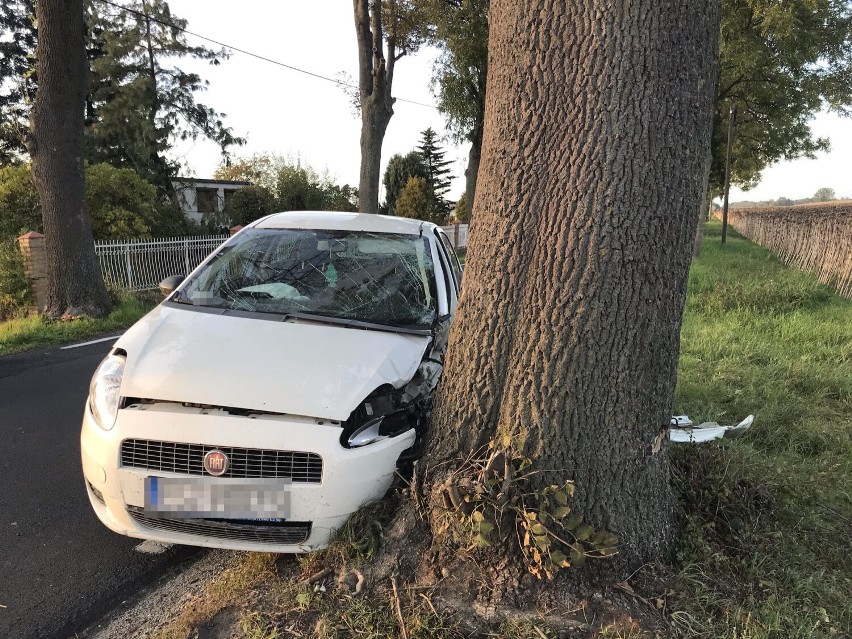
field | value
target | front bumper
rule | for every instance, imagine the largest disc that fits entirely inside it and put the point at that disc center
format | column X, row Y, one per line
column 350, row 477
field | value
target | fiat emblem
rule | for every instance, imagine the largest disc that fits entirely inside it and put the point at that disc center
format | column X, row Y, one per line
column 216, row 462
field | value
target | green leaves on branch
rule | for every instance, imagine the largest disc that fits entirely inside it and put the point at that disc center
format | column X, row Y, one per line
column 486, row 498
column 552, row 537
column 279, row 184
column 781, row 63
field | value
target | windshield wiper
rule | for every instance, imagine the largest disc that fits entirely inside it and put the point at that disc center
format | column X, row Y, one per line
column 344, row 321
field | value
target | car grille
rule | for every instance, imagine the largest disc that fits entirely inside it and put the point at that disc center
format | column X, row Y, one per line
column 188, row 459
column 286, row 532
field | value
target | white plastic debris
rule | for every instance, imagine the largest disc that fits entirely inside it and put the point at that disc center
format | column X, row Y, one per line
column 683, row 432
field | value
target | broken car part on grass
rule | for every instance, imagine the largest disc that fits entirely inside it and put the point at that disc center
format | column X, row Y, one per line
column 682, row 430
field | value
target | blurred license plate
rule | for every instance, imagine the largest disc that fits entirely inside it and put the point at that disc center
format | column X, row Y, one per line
column 185, row 498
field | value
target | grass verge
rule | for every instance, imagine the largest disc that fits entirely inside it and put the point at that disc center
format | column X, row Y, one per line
column 765, row 549
column 24, row 333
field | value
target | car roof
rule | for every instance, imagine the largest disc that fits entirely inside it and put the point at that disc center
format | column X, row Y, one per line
column 335, row 220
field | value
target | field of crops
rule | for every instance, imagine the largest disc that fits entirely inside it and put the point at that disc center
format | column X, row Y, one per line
column 813, row 237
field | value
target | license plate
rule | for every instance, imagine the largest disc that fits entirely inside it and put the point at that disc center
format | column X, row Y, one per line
column 189, row 498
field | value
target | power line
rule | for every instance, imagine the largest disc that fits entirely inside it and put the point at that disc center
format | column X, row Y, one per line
column 249, row 53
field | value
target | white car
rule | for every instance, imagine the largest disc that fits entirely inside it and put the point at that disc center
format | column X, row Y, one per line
column 275, row 389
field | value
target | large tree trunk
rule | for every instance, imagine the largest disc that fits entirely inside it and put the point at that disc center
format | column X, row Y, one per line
column 75, row 283
column 473, row 160
column 598, row 122
column 375, row 80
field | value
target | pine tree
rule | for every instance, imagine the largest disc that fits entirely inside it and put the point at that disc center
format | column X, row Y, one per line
column 17, row 75
column 436, row 169
column 138, row 102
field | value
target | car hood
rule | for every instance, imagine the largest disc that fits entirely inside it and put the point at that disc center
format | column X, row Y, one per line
column 299, row 368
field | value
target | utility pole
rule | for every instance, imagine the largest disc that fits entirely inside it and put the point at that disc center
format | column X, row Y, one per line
column 731, row 121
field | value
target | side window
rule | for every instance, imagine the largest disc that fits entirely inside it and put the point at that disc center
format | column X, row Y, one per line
column 453, row 258
column 449, row 278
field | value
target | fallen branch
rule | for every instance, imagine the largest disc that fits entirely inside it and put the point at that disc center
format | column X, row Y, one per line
column 315, row 578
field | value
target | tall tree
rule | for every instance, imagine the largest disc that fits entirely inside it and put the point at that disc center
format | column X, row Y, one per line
column 437, row 169
column 17, row 75
column 565, row 344
column 75, row 284
column 139, row 101
column 399, row 169
column 780, row 63
column 460, row 73
column 398, row 25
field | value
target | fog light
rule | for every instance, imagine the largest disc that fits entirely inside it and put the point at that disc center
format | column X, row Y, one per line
column 98, row 494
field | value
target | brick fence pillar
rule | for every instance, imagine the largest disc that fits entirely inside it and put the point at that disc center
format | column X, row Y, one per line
column 35, row 267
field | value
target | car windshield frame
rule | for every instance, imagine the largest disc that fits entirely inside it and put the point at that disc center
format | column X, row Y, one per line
column 348, row 277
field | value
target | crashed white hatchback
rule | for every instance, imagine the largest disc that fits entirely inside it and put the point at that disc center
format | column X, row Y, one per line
column 276, row 388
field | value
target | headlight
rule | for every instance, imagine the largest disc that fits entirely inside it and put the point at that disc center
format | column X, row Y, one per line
column 104, row 390
column 367, row 434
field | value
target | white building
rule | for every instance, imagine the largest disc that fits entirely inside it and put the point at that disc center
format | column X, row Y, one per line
column 199, row 197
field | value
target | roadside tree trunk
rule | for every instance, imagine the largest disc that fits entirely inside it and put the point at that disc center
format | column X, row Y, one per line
column 375, row 81
column 473, row 160
column 75, row 283
column 597, row 130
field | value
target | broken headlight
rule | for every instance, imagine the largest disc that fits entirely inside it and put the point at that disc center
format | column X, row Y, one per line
column 379, row 417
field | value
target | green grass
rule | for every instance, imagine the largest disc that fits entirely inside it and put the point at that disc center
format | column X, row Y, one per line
column 765, row 547
column 35, row 331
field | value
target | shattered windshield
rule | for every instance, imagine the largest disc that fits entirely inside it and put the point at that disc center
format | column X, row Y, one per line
column 382, row 278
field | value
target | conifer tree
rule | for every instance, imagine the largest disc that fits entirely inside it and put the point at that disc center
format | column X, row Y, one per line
column 17, row 75
column 436, row 168
column 139, row 101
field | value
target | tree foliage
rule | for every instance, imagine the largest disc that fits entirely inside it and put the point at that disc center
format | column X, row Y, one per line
column 436, row 167
column 121, row 204
column 459, row 75
column 140, row 102
column 399, row 169
column 20, row 209
column 781, row 62
column 824, row 194
column 461, row 213
column 292, row 184
column 460, row 31
column 413, row 201
column 259, row 169
column 17, row 75
column 249, row 204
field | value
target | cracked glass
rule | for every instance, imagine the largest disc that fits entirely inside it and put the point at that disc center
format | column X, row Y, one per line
column 383, row 278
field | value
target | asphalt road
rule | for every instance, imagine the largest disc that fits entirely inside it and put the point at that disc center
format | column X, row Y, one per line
column 60, row 568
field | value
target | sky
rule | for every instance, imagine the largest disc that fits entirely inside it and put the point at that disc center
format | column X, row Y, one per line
column 279, row 110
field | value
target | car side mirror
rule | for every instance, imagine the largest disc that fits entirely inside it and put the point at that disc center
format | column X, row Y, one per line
column 168, row 285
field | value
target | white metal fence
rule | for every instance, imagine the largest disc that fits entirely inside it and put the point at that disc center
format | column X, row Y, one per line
column 139, row 265
column 457, row 234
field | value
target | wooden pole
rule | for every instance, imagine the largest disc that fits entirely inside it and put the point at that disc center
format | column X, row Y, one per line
column 731, row 120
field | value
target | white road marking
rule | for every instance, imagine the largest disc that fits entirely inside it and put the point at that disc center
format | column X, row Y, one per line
column 94, row 341
column 152, row 547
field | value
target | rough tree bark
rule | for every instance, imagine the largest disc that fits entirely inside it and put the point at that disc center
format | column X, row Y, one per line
column 75, row 283
column 375, row 80
column 597, row 130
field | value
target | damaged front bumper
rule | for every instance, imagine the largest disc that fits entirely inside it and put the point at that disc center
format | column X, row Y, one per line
column 317, row 504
